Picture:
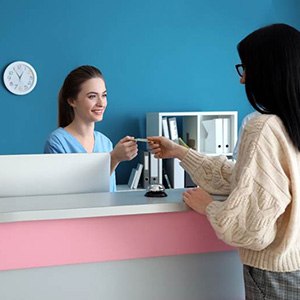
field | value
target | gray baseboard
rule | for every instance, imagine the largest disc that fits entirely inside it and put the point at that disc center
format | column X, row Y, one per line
column 211, row 276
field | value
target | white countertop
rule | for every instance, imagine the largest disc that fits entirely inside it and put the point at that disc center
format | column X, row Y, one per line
column 69, row 206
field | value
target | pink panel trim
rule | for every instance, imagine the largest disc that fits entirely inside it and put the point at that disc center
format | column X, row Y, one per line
column 72, row 241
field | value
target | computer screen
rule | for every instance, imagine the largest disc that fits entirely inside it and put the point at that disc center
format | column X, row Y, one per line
column 50, row 174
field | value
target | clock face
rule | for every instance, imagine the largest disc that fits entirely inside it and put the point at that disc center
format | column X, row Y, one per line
column 20, row 78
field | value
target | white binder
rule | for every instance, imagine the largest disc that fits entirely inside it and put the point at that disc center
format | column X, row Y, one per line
column 173, row 129
column 178, row 180
column 146, row 170
column 165, row 128
column 213, row 142
column 137, row 176
column 175, row 173
column 153, row 169
column 226, row 136
column 131, row 178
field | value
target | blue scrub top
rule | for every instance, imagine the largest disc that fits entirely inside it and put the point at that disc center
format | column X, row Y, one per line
column 61, row 141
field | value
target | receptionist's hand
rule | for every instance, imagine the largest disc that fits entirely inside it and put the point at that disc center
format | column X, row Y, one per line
column 197, row 199
column 163, row 147
column 126, row 149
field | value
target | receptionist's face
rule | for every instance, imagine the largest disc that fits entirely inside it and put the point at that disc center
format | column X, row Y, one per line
column 91, row 102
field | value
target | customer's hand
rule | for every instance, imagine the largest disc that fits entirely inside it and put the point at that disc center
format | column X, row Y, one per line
column 197, row 199
column 163, row 147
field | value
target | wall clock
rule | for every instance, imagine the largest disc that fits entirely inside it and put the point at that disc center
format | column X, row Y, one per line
column 19, row 78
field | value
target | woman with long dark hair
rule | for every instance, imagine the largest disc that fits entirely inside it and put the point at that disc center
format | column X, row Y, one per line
column 261, row 215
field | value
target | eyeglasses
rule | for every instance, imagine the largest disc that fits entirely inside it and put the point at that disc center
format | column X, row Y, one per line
column 240, row 69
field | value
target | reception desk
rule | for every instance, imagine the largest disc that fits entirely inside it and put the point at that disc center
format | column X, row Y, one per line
column 83, row 229
column 80, row 228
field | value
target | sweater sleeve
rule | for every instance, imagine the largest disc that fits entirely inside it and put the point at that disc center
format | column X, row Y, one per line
column 249, row 216
column 212, row 173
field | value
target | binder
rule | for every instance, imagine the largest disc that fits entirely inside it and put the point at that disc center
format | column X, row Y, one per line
column 175, row 172
column 146, row 179
column 188, row 182
column 137, row 176
column 131, row 178
column 165, row 128
column 173, row 129
column 167, row 181
column 226, row 136
column 178, row 179
column 153, row 169
column 213, row 142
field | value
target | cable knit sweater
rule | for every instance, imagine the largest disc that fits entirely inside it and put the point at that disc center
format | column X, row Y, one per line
column 261, row 215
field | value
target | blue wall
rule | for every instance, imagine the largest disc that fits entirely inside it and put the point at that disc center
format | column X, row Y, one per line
column 171, row 55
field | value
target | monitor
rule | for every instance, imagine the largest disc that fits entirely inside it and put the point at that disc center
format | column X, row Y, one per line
column 50, row 174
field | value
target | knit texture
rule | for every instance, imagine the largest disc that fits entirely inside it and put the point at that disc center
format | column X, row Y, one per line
column 261, row 215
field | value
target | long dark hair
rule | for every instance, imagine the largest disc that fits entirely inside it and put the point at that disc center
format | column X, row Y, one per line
column 271, row 58
column 70, row 89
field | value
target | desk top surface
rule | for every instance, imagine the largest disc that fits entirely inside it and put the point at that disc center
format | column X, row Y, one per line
column 69, row 206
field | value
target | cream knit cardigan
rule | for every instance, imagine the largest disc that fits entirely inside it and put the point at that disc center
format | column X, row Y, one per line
column 261, row 215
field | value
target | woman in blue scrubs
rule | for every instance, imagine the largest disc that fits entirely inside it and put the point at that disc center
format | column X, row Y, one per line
column 82, row 102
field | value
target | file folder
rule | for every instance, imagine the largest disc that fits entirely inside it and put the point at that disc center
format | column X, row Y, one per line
column 173, row 129
column 146, row 175
column 165, row 128
column 131, row 178
column 226, row 136
column 213, row 142
column 137, row 176
column 175, row 173
column 153, row 169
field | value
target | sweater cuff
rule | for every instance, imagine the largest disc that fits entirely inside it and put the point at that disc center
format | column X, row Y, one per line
column 211, row 211
column 210, row 208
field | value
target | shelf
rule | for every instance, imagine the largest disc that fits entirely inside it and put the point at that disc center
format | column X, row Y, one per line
column 192, row 128
column 125, row 188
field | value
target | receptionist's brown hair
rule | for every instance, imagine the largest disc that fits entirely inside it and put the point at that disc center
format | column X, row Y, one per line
column 70, row 90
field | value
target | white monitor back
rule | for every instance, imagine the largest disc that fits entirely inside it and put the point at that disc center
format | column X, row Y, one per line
column 50, row 174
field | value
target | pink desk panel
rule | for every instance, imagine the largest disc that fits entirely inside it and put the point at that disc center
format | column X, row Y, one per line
column 72, row 241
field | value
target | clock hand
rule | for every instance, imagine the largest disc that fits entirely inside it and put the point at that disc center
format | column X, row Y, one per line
column 17, row 73
column 21, row 75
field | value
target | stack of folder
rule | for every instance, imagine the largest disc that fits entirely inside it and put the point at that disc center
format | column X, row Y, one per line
column 217, row 140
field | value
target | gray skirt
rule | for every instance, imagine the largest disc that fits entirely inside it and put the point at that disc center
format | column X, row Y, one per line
column 267, row 285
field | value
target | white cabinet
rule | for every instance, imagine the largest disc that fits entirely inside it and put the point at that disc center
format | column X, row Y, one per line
column 213, row 133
